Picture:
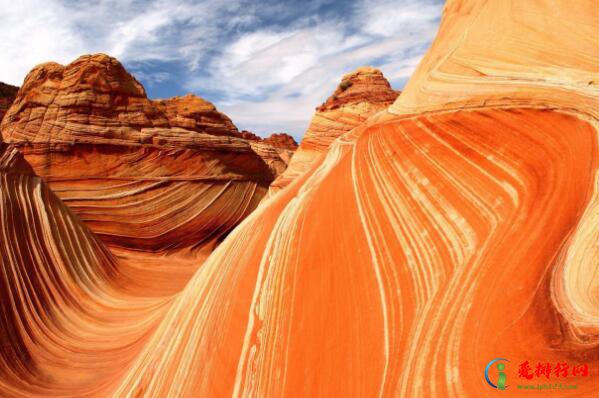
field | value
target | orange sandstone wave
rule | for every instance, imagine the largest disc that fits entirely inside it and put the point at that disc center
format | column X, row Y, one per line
column 445, row 255
column 69, row 320
column 456, row 227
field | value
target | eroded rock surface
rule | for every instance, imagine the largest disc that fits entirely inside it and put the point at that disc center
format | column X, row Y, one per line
column 360, row 94
column 458, row 225
column 154, row 175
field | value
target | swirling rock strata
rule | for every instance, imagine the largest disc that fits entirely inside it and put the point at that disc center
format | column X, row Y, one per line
column 72, row 317
column 425, row 244
column 360, row 94
column 154, row 197
column 437, row 235
column 152, row 175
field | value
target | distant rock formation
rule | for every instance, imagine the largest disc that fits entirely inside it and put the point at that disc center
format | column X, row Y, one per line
column 276, row 140
column 143, row 174
column 360, row 94
column 248, row 135
column 7, row 96
column 366, row 86
column 95, row 100
column 276, row 150
column 281, row 140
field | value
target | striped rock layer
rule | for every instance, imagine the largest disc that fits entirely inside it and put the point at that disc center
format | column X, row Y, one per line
column 145, row 175
column 276, row 149
column 72, row 316
column 361, row 94
column 458, row 226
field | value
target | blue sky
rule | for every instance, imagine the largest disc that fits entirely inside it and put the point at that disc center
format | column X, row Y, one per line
column 267, row 64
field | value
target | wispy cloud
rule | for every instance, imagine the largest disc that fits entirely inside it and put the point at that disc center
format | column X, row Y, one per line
column 266, row 63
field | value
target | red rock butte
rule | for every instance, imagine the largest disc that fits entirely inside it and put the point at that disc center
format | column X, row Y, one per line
column 457, row 226
column 150, row 175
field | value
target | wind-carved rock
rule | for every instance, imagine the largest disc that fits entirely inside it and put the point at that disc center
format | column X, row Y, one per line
column 458, row 225
column 361, row 94
column 281, row 140
column 276, row 150
column 150, row 175
column 72, row 314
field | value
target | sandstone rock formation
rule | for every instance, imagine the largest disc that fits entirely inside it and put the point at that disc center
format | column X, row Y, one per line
column 276, row 150
column 277, row 140
column 196, row 114
column 281, row 140
column 248, row 135
column 458, row 226
column 425, row 244
column 72, row 317
column 276, row 157
column 145, row 175
column 7, row 96
column 95, row 100
column 360, row 94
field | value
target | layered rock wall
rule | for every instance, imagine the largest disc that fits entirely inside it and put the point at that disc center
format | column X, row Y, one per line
column 152, row 175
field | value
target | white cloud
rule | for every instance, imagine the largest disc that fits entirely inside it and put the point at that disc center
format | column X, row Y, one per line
column 263, row 60
column 293, row 72
column 36, row 31
column 396, row 17
column 266, row 76
column 29, row 38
